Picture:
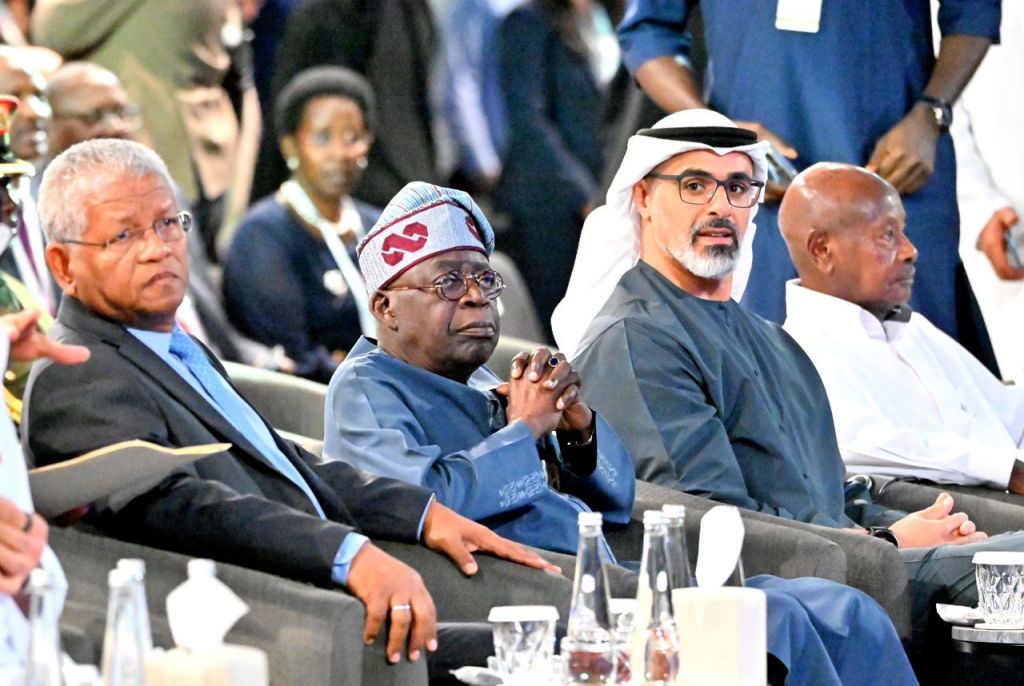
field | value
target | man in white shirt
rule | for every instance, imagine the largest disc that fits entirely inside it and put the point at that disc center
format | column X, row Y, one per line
column 907, row 399
column 22, row 533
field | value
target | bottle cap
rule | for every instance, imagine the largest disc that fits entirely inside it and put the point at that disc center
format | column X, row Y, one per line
column 201, row 567
column 133, row 566
column 118, row 578
column 653, row 517
column 39, row 580
column 674, row 513
column 590, row 519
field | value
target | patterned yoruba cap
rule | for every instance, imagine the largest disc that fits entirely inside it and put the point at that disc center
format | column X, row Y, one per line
column 421, row 221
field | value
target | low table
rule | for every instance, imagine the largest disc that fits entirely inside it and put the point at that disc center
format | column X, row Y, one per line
column 986, row 657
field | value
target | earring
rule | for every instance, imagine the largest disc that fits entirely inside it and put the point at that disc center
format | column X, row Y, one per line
column 293, row 163
column 362, row 162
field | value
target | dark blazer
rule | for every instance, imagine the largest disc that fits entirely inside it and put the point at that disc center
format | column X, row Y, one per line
column 233, row 507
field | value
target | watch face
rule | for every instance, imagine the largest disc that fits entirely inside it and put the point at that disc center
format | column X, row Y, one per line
column 942, row 112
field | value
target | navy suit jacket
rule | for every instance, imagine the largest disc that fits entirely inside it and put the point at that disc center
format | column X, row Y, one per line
column 234, row 506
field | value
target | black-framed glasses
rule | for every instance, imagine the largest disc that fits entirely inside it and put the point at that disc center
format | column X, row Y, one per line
column 455, row 284
column 169, row 229
column 698, row 189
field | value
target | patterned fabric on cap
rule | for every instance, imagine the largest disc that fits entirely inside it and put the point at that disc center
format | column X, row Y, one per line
column 421, row 221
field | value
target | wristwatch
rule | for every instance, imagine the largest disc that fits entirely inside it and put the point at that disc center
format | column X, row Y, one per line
column 941, row 110
column 885, row 534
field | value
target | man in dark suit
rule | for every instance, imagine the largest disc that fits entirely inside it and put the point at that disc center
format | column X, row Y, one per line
column 265, row 503
column 89, row 102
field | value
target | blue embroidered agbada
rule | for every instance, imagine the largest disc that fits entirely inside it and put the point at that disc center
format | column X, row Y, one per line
column 391, row 418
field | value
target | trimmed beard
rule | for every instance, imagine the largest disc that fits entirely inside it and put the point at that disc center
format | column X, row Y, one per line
column 715, row 261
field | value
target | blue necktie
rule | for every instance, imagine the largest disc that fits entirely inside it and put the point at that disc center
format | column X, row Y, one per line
column 236, row 410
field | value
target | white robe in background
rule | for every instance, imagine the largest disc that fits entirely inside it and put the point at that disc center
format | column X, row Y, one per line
column 989, row 138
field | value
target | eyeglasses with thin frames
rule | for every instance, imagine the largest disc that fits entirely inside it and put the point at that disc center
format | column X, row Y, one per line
column 169, row 230
column 699, row 189
column 455, row 284
column 131, row 115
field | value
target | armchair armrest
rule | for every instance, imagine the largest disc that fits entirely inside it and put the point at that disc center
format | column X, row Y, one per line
column 310, row 635
column 787, row 548
column 993, row 511
column 768, row 548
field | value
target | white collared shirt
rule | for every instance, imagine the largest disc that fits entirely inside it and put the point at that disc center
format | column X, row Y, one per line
column 907, row 400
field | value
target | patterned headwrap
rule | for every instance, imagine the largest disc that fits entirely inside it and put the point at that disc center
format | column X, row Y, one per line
column 421, row 221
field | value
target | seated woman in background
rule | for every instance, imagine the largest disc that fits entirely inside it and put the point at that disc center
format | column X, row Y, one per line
column 290, row 276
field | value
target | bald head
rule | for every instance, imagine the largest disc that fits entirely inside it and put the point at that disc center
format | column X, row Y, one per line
column 844, row 227
column 88, row 102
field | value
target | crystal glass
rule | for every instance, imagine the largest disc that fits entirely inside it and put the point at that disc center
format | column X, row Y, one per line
column 524, row 637
column 1000, row 578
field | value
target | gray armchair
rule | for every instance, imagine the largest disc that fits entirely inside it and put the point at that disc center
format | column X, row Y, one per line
column 792, row 549
column 289, row 403
column 310, row 635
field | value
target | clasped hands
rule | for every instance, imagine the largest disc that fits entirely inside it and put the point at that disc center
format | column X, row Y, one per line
column 543, row 391
column 935, row 525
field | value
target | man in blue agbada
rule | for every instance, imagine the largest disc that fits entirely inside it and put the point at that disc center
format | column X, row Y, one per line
column 525, row 457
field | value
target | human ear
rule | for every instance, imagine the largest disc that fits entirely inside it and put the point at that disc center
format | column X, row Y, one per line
column 58, row 260
column 820, row 249
column 383, row 310
column 641, row 198
column 289, row 147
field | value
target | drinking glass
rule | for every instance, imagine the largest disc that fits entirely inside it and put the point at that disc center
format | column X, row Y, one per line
column 1000, row 578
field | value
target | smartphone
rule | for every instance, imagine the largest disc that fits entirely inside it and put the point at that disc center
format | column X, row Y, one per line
column 780, row 169
column 1015, row 245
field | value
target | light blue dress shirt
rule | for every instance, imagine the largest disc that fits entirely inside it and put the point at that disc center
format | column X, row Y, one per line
column 255, row 429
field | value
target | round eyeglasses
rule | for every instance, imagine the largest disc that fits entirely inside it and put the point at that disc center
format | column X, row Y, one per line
column 455, row 284
column 698, row 189
column 169, row 230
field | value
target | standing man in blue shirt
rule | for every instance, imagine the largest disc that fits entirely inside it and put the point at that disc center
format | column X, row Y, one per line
column 846, row 82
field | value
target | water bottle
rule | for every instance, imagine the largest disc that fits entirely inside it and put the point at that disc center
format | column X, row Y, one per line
column 136, row 570
column 679, row 573
column 588, row 649
column 656, row 642
column 123, row 643
column 43, row 667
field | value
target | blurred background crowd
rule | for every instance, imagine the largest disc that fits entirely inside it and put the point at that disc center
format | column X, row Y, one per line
column 288, row 124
